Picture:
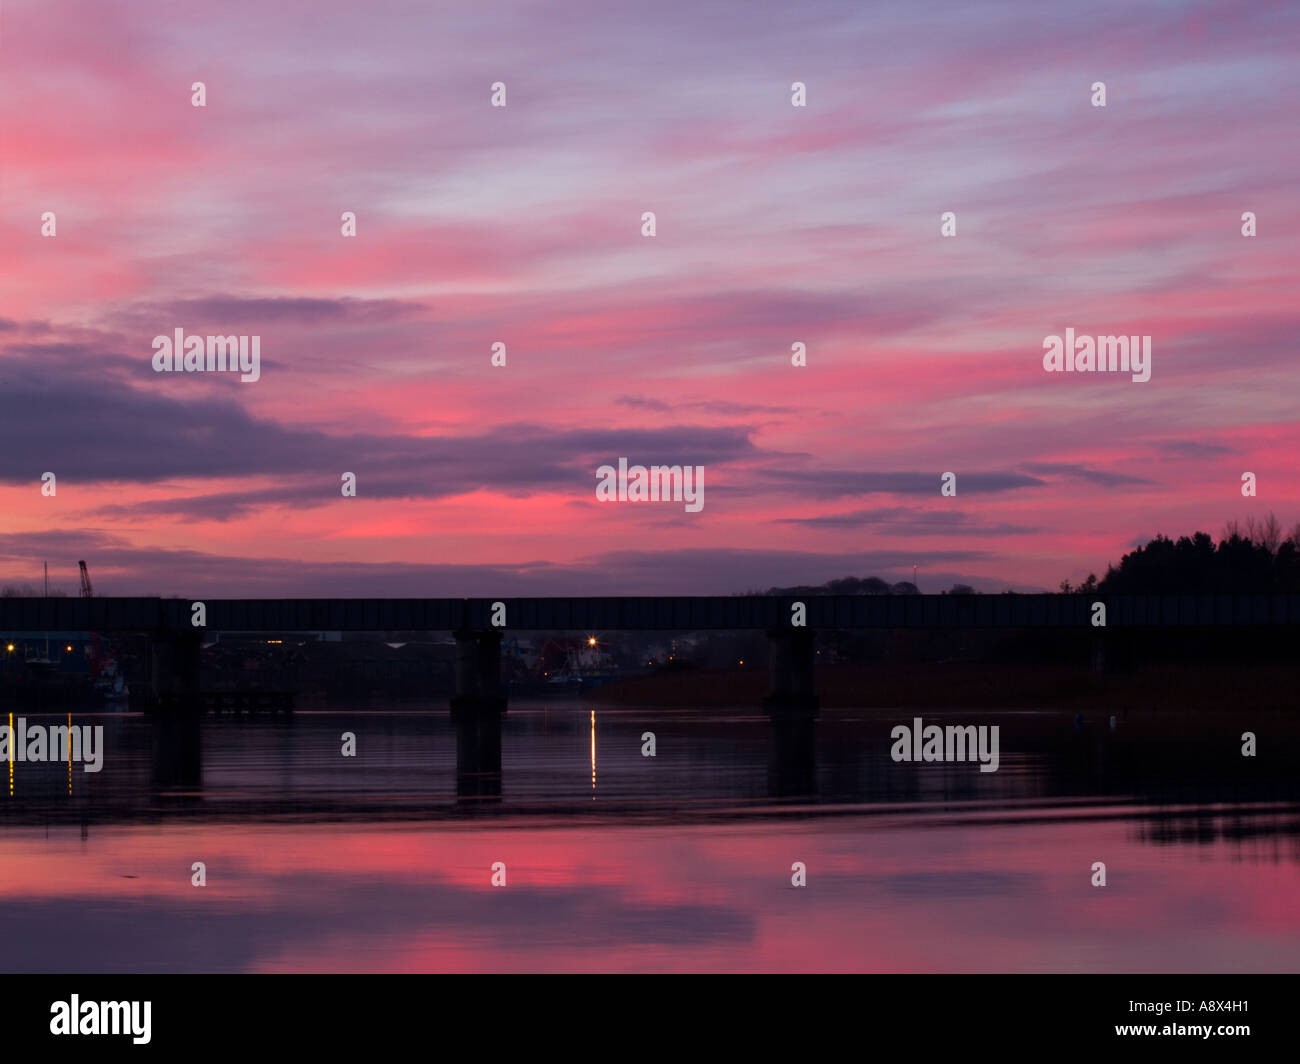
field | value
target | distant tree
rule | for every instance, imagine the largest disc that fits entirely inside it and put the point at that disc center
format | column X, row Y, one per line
column 1266, row 533
column 1258, row 559
column 852, row 585
column 961, row 589
column 847, row 585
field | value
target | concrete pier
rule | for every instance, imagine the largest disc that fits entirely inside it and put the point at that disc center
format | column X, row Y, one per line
column 790, row 664
column 478, row 757
column 174, row 664
column 177, row 747
column 792, row 761
column 177, row 759
column 478, row 689
column 1100, row 655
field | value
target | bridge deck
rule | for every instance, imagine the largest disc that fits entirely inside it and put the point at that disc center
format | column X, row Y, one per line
column 648, row 613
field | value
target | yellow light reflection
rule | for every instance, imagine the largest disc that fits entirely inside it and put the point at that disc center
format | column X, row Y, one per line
column 11, row 755
column 593, row 751
column 69, row 753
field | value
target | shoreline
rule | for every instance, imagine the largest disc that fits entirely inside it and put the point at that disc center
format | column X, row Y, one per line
column 956, row 685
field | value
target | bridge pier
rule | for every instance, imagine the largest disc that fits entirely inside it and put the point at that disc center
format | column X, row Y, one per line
column 792, row 760
column 478, row 756
column 1100, row 657
column 177, row 747
column 478, row 689
column 790, row 663
column 174, row 665
column 177, row 759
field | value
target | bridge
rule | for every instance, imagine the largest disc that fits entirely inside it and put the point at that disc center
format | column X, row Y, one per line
column 177, row 625
column 680, row 613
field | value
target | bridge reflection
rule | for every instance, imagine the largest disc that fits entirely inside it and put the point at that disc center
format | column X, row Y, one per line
column 478, row 757
column 1182, row 774
column 792, row 757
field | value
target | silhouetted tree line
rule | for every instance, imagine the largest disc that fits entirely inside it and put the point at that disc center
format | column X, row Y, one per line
column 847, row 585
column 1252, row 560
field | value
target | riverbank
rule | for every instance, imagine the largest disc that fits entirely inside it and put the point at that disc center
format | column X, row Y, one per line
column 978, row 685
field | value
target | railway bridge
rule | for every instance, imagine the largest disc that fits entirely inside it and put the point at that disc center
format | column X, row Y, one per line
column 176, row 626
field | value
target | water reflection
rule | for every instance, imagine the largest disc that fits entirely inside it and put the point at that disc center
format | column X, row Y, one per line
column 478, row 758
column 177, row 749
column 792, row 757
column 682, row 860
column 566, row 757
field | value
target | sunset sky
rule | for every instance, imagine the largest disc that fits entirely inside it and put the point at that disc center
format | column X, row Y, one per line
column 522, row 224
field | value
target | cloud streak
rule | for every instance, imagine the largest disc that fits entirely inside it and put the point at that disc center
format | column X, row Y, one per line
column 521, row 225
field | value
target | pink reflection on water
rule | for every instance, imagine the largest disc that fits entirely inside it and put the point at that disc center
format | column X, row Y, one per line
column 884, row 894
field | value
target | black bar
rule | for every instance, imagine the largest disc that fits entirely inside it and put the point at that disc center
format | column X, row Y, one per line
column 909, row 1017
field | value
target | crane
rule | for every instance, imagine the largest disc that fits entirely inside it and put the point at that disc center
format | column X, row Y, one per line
column 96, row 650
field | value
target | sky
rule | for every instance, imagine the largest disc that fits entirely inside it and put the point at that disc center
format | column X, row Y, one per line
column 522, row 224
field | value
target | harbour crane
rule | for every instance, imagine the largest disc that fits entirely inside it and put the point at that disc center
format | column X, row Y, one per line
column 96, row 648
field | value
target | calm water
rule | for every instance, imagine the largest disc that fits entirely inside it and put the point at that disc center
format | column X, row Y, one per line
column 616, row 861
